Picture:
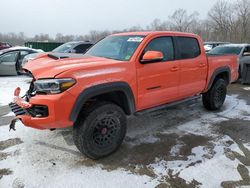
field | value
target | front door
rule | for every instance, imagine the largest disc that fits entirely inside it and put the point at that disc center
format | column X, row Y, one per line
column 8, row 63
column 158, row 82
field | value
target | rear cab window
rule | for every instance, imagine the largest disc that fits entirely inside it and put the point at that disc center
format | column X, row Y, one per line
column 188, row 47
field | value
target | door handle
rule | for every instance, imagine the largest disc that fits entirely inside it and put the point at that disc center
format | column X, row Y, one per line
column 173, row 69
column 202, row 65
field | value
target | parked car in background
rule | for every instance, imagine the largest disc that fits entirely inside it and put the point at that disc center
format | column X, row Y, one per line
column 4, row 45
column 241, row 50
column 28, row 58
column 78, row 47
column 11, row 59
column 210, row 45
column 69, row 47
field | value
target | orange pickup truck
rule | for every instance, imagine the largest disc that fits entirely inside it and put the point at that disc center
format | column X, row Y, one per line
column 121, row 75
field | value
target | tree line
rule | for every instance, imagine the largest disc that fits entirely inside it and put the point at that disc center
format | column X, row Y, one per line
column 226, row 21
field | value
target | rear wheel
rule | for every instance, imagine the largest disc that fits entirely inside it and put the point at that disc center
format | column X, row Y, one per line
column 100, row 130
column 215, row 97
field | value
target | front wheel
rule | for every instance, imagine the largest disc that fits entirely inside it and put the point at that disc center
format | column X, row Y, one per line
column 100, row 130
column 216, row 95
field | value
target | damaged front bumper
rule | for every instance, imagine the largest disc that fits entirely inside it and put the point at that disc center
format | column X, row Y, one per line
column 24, row 110
column 22, row 107
column 41, row 111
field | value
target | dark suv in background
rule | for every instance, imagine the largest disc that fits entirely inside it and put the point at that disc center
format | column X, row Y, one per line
column 78, row 47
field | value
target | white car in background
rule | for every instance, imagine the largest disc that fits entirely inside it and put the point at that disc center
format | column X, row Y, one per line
column 210, row 45
column 11, row 59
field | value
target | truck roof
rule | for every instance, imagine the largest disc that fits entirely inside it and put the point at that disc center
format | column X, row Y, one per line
column 146, row 33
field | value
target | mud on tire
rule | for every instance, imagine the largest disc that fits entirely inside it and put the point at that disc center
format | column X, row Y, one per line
column 215, row 97
column 100, row 130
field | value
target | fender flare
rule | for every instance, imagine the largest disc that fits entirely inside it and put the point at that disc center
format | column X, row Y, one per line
column 103, row 89
column 218, row 71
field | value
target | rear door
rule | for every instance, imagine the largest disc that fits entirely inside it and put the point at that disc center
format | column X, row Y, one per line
column 193, row 66
column 158, row 82
column 8, row 63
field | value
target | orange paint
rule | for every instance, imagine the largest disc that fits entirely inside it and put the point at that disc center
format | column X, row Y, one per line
column 152, row 84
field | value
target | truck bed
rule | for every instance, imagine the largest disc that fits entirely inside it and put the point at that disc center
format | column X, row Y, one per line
column 217, row 61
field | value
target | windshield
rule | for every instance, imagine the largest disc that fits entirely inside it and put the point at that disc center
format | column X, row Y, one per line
column 220, row 50
column 64, row 48
column 116, row 47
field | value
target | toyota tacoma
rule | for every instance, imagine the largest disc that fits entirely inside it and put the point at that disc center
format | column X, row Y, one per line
column 121, row 75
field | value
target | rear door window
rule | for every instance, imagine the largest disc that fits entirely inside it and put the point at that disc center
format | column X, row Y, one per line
column 188, row 47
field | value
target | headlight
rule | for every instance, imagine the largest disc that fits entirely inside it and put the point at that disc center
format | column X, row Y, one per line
column 53, row 86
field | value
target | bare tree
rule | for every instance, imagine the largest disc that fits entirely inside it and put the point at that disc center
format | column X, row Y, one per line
column 243, row 12
column 226, row 21
column 42, row 38
column 13, row 38
column 182, row 21
column 158, row 25
column 222, row 19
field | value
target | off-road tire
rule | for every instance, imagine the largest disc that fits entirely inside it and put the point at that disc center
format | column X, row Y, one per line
column 100, row 130
column 215, row 97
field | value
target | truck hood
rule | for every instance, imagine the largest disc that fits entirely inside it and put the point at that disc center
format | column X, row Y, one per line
column 53, row 64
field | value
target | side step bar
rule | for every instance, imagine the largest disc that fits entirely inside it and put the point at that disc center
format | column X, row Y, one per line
column 167, row 105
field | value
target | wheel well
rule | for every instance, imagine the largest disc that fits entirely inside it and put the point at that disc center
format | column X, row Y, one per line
column 224, row 76
column 118, row 93
column 117, row 97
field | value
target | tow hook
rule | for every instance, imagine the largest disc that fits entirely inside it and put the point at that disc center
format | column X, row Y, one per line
column 13, row 124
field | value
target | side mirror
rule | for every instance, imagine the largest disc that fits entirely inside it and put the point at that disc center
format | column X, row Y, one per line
column 152, row 57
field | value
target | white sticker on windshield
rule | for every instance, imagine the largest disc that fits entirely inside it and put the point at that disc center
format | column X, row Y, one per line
column 135, row 39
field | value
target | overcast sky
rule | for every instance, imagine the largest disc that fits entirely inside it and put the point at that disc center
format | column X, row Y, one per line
column 81, row 16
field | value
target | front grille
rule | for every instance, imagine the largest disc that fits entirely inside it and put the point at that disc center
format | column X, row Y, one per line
column 34, row 111
column 17, row 109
